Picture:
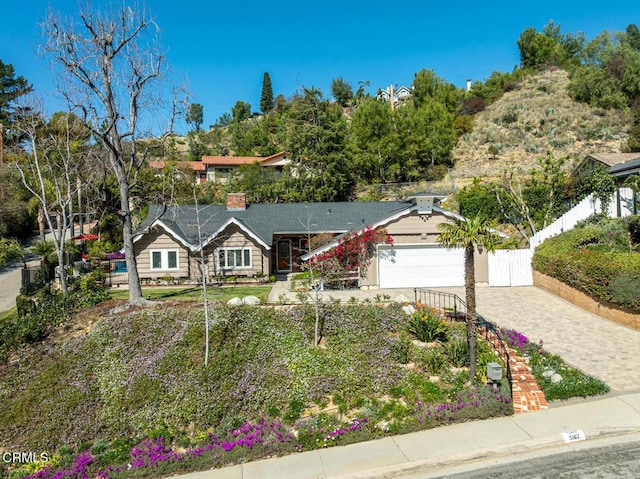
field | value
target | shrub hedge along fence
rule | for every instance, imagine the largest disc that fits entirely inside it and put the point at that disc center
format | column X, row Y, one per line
column 583, row 259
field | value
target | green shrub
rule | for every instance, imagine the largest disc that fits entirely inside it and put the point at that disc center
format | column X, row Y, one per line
column 479, row 199
column 427, row 325
column 25, row 305
column 634, row 229
column 431, row 359
column 594, row 258
column 485, row 356
column 457, row 351
column 402, row 349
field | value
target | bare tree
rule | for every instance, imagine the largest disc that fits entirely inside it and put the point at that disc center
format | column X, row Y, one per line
column 50, row 171
column 308, row 223
column 111, row 72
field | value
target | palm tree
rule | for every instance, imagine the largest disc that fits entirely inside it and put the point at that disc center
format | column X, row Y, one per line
column 46, row 249
column 470, row 234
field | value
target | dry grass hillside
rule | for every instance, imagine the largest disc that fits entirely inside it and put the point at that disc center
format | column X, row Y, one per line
column 536, row 117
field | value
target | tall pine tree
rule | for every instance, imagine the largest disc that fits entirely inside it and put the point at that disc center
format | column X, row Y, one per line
column 266, row 98
column 11, row 87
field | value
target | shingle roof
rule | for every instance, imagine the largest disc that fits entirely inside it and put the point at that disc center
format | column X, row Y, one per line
column 627, row 168
column 611, row 159
column 265, row 220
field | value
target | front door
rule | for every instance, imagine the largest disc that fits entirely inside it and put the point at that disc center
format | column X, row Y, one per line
column 283, row 259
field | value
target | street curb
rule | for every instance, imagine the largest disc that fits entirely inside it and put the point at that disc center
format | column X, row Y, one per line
column 439, row 466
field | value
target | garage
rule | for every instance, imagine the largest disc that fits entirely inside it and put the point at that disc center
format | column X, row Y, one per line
column 420, row 266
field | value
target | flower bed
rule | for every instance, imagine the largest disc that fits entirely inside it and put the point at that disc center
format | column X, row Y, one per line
column 250, row 441
column 557, row 379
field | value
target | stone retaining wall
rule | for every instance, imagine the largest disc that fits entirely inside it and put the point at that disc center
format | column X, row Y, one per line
column 584, row 301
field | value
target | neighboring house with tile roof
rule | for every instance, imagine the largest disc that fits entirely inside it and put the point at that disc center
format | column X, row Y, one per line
column 220, row 168
column 240, row 239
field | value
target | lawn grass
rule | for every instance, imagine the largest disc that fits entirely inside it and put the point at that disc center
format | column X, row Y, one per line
column 215, row 293
column 10, row 315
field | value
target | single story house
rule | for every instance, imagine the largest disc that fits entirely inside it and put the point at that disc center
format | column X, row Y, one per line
column 264, row 239
column 220, row 168
column 607, row 160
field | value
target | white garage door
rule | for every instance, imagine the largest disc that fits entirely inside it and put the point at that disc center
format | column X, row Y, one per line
column 420, row 266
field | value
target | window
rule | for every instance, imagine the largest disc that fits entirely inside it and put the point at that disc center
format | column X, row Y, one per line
column 229, row 258
column 164, row 259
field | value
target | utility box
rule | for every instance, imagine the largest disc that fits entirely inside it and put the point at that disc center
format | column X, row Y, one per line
column 494, row 372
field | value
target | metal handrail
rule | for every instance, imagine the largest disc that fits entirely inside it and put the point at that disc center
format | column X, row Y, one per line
column 456, row 308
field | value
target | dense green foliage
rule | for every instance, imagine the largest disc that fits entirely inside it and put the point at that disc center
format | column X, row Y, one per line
column 39, row 315
column 195, row 114
column 528, row 201
column 10, row 250
column 597, row 258
column 342, row 91
column 479, row 199
column 11, row 88
column 16, row 213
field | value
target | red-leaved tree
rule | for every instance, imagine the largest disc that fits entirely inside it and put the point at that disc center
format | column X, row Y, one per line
column 352, row 253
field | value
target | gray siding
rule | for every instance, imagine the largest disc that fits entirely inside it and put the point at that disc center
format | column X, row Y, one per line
column 233, row 237
column 159, row 241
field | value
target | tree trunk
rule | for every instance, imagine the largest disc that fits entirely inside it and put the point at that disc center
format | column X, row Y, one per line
column 41, row 223
column 62, row 271
column 135, row 290
column 470, row 319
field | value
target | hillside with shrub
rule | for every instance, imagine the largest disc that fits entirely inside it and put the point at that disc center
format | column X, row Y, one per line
column 536, row 116
column 141, row 374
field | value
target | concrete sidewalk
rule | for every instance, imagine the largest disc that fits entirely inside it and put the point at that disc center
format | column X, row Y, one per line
column 435, row 450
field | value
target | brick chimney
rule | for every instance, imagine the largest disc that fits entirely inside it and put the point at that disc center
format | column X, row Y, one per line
column 236, row 201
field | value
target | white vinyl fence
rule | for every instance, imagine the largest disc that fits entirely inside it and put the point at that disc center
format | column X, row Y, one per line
column 513, row 267
column 510, row 268
column 621, row 204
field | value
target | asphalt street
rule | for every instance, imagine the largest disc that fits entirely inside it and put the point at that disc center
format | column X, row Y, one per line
column 620, row 461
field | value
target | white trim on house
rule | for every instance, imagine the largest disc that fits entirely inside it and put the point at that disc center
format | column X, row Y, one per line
column 168, row 230
column 245, row 253
column 164, row 259
column 240, row 225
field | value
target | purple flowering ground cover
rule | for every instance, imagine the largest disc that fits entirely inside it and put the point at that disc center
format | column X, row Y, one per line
column 569, row 382
column 131, row 397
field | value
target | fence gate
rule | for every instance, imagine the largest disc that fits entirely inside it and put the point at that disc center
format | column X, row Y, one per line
column 510, row 268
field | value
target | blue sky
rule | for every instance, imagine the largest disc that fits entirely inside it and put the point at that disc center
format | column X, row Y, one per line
column 221, row 49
